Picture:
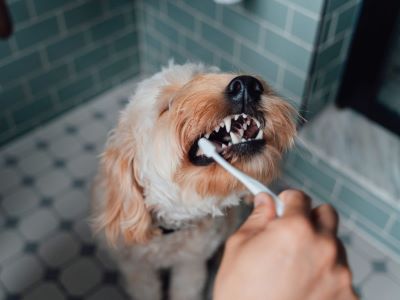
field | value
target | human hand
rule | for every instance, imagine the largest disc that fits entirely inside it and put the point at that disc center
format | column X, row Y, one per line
column 294, row 257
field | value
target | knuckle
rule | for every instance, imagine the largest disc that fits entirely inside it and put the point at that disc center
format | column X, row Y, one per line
column 344, row 277
column 299, row 228
column 295, row 194
column 330, row 248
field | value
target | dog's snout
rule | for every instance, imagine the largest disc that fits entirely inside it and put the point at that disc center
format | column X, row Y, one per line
column 244, row 90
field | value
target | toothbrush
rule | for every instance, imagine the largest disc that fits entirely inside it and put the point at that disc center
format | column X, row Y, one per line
column 253, row 185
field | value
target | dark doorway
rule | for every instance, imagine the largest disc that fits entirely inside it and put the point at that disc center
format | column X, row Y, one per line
column 371, row 81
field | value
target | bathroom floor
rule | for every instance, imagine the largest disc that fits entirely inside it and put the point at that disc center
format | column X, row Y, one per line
column 46, row 248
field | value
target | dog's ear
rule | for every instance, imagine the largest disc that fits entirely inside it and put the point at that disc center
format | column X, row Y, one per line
column 124, row 213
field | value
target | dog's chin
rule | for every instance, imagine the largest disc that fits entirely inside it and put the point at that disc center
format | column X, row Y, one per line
column 237, row 137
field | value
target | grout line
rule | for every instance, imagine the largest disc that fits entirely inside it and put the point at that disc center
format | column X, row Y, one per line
column 289, row 21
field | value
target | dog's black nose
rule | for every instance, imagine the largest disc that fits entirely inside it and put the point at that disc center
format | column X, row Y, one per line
column 244, row 90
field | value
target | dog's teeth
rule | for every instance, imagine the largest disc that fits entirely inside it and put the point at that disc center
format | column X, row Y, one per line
column 216, row 129
column 244, row 116
column 235, row 138
column 259, row 135
column 228, row 122
column 241, row 131
column 222, row 124
column 244, row 126
column 207, row 135
column 199, row 152
column 236, row 117
column 248, row 123
column 229, row 144
column 224, row 146
column 257, row 122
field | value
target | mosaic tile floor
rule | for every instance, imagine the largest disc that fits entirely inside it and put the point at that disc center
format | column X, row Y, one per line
column 46, row 249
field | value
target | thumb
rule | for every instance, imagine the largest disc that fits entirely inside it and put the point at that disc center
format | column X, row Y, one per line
column 263, row 212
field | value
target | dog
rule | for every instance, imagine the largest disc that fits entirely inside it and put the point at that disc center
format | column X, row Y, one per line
column 157, row 199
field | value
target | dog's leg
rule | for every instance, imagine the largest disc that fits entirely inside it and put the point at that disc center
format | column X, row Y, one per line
column 187, row 280
column 142, row 281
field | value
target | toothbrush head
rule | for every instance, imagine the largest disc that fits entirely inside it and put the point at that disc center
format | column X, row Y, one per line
column 207, row 147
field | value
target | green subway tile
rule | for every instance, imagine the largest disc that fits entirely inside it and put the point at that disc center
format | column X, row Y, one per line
column 108, row 27
column 42, row 82
column 179, row 15
column 228, row 66
column 326, row 25
column 129, row 74
column 347, row 19
column 293, row 83
column 4, row 125
column 82, row 14
column 132, row 15
column 377, row 236
column 198, row 51
column 313, row 173
column 116, row 67
column 363, row 207
column 327, row 55
column 11, row 97
column 129, row 40
column 37, row 33
column 288, row 51
column 4, row 49
column 241, row 25
column 269, row 10
column 395, row 229
column 177, row 57
column 206, row 7
column 75, row 88
column 40, row 106
column 65, row 47
column 293, row 174
column 91, row 58
column 19, row 11
column 217, row 38
column 43, row 6
column 311, row 5
column 262, row 65
column 153, row 3
column 112, row 4
column 304, row 27
column 152, row 42
column 335, row 4
column 333, row 74
column 22, row 66
column 167, row 30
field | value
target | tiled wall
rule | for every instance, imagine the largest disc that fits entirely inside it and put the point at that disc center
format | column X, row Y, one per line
column 62, row 53
column 361, row 209
column 274, row 38
column 335, row 33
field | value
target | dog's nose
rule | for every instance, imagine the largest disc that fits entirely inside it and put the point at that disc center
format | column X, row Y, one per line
column 244, row 90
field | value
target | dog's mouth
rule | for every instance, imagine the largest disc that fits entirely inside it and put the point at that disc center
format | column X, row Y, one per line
column 235, row 136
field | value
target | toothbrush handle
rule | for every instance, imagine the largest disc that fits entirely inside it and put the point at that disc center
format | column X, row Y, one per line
column 253, row 185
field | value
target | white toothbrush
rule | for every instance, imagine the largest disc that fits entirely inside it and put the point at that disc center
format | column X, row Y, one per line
column 253, row 185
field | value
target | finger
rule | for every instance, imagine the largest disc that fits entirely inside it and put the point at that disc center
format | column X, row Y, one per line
column 325, row 219
column 296, row 202
column 263, row 212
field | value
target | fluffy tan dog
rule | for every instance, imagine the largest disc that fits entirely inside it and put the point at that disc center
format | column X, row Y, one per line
column 157, row 199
